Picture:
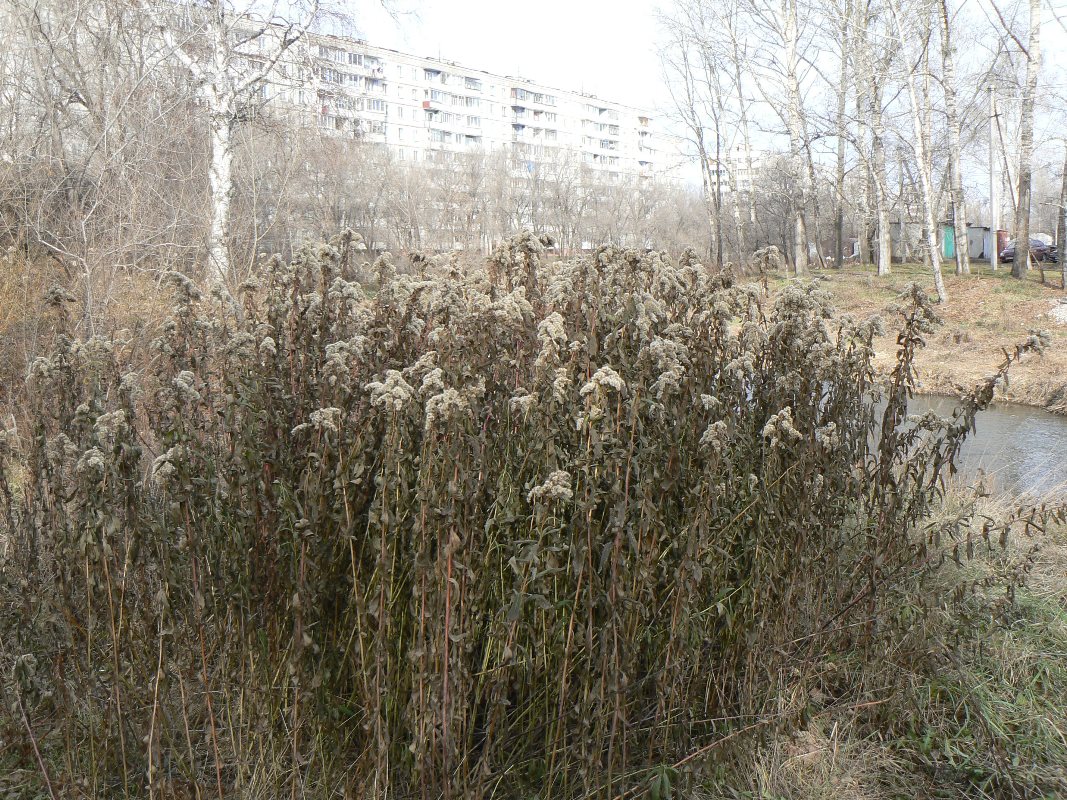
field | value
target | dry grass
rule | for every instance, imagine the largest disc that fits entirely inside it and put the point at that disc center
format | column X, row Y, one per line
column 129, row 306
column 985, row 718
column 985, row 312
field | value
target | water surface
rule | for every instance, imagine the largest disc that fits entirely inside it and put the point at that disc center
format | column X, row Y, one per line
column 1023, row 449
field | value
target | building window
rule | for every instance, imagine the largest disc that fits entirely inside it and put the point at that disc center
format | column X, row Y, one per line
column 355, row 59
column 374, row 104
column 474, row 122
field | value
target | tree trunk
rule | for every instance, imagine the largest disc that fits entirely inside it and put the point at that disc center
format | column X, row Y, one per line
column 796, row 138
column 959, row 205
column 839, row 176
column 1026, row 145
column 902, row 217
column 863, row 107
column 750, row 194
column 881, row 201
column 739, row 227
column 923, row 166
column 718, row 196
column 1061, row 233
column 220, row 189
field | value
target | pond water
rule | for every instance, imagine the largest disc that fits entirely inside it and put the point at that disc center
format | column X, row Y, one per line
column 1023, row 449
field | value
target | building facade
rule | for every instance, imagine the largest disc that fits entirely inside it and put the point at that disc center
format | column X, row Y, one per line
column 425, row 108
column 737, row 170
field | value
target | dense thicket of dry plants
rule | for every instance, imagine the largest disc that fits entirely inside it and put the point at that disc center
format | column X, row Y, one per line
column 549, row 530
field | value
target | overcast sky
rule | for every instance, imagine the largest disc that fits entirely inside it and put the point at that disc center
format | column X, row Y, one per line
column 605, row 47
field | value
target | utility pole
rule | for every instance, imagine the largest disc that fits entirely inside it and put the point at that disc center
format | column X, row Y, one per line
column 994, row 200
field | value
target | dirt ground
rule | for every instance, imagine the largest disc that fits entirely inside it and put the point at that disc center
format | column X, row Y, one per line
column 985, row 313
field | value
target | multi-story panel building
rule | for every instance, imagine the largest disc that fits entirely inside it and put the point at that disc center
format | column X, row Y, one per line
column 732, row 173
column 424, row 107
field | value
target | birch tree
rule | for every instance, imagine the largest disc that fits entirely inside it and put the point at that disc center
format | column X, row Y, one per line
column 1026, row 144
column 948, row 80
column 213, row 41
column 739, row 57
column 875, row 50
column 919, row 146
column 1061, row 237
column 845, row 40
column 795, row 124
column 689, row 104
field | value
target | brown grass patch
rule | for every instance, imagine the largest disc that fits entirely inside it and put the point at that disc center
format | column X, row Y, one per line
column 985, row 312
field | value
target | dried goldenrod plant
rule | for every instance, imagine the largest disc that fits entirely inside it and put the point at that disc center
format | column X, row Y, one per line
column 546, row 530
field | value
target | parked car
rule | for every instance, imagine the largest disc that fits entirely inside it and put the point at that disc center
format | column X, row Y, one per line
column 1039, row 251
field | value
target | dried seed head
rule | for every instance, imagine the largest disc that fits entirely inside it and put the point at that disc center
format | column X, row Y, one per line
column 604, row 380
column 556, row 487
column 392, row 393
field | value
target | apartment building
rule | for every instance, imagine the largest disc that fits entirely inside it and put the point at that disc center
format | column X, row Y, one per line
column 732, row 173
column 426, row 108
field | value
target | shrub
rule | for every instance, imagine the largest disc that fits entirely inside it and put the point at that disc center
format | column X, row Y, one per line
column 549, row 530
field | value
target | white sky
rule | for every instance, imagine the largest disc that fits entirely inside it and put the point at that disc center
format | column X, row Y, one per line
column 605, row 47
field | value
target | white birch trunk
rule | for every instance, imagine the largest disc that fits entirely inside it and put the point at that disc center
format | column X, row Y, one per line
column 747, row 143
column 842, row 100
column 1026, row 145
column 1061, row 238
column 220, row 190
column 923, row 166
column 796, row 136
column 881, row 200
column 224, row 81
column 959, row 204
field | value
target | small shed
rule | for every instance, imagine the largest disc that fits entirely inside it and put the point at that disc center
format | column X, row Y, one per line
column 979, row 242
column 948, row 240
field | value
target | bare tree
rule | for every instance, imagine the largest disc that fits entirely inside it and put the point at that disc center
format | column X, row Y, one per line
column 921, row 131
column 948, row 81
column 1026, row 144
column 795, row 124
column 844, row 33
column 212, row 41
column 691, row 106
